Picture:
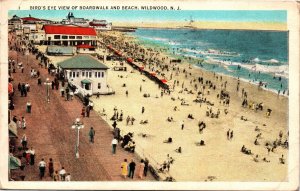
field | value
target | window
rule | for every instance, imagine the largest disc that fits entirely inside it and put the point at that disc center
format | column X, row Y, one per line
column 99, row 74
column 87, row 74
column 70, row 74
column 86, row 37
column 96, row 74
column 73, row 74
column 99, row 85
column 90, row 74
column 78, row 37
column 71, row 37
column 56, row 36
column 82, row 74
column 64, row 37
column 102, row 74
column 77, row 75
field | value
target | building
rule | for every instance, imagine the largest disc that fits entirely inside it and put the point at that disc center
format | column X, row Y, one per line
column 85, row 49
column 37, row 37
column 86, row 73
column 72, row 20
column 61, row 50
column 14, row 23
column 100, row 25
column 69, row 35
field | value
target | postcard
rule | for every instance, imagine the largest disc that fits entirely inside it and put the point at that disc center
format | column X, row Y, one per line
column 191, row 95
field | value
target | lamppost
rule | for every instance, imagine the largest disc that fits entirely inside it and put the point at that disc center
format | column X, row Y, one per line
column 77, row 125
column 48, row 84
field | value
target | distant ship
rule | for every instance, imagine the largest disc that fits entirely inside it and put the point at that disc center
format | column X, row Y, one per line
column 190, row 24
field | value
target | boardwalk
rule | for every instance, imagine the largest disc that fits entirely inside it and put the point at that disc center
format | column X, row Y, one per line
column 49, row 132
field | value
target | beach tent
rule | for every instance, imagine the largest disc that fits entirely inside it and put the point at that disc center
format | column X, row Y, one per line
column 163, row 81
column 152, row 73
column 129, row 60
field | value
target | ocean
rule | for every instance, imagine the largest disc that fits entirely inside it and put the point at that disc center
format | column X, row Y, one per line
column 253, row 56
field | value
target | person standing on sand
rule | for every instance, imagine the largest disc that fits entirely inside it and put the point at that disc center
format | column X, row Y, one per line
column 143, row 109
column 182, row 125
column 124, row 167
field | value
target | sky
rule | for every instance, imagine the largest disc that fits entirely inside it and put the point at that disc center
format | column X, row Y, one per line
column 142, row 15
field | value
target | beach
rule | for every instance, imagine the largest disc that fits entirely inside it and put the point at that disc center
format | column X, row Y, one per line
column 220, row 159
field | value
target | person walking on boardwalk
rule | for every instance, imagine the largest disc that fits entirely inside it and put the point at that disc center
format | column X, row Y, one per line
column 32, row 156
column 83, row 111
column 114, row 145
column 146, row 166
column 23, row 123
column 42, row 168
column 24, row 141
column 62, row 174
column 131, row 169
column 56, row 176
column 124, row 167
column 50, row 167
column 92, row 134
column 141, row 169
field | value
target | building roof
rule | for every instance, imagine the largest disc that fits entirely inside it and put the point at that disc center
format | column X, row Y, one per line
column 60, row 49
column 82, row 62
column 30, row 19
column 70, row 30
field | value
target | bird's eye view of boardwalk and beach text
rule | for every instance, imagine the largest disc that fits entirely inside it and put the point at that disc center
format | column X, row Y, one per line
column 148, row 94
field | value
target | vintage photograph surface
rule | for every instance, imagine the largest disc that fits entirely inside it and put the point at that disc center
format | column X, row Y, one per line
column 150, row 93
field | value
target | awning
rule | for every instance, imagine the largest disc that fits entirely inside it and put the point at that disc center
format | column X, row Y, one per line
column 84, row 46
column 13, row 130
column 163, row 81
column 14, row 163
column 85, row 81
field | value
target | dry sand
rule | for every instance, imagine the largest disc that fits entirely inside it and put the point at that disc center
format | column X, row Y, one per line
column 220, row 157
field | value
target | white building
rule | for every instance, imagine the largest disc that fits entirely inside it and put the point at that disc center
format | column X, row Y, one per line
column 86, row 73
column 72, row 20
column 69, row 35
column 37, row 37
column 101, row 25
